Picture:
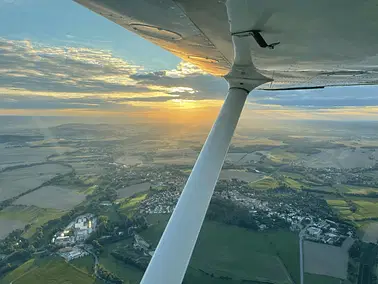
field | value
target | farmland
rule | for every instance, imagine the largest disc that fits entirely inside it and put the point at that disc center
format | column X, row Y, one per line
column 240, row 174
column 51, row 270
column 132, row 189
column 264, row 183
column 228, row 251
column 364, row 208
column 17, row 181
column 19, row 216
column 26, row 155
column 317, row 260
column 61, row 198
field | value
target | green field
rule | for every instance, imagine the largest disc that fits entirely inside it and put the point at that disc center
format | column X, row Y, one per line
column 85, row 264
column 229, row 251
column 19, row 271
column 129, row 205
column 352, row 189
column 366, row 208
column 292, row 183
column 30, row 215
column 320, row 279
column 264, row 184
column 280, row 156
column 128, row 273
column 51, row 270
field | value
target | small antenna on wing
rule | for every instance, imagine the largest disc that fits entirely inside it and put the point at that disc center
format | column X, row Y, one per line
column 258, row 37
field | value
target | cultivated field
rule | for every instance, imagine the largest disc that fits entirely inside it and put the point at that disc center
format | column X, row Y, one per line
column 370, row 233
column 7, row 226
column 128, row 273
column 21, row 215
column 14, row 182
column 132, row 189
column 344, row 158
column 52, row 197
column 242, row 158
column 365, row 208
column 317, row 259
column 129, row 160
column 240, row 174
column 321, row 279
column 129, row 205
column 264, row 183
column 49, row 271
column 26, row 155
column 229, row 251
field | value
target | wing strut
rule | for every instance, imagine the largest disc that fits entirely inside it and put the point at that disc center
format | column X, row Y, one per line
column 172, row 255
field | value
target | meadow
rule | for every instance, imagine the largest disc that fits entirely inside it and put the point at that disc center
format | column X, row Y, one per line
column 52, row 270
column 229, row 251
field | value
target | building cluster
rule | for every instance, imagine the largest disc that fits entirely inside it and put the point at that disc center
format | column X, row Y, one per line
column 70, row 253
column 162, row 202
column 327, row 231
column 170, row 178
column 318, row 227
column 77, row 231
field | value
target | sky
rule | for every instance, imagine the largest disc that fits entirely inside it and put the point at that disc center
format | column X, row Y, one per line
column 58, row 58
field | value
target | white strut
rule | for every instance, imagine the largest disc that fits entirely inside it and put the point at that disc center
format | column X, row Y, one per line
column 172, row 255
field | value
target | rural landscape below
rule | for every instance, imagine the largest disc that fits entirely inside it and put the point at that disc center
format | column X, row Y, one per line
column 86, row 202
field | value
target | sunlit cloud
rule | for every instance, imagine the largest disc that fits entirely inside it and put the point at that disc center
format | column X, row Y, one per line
column 66, row 80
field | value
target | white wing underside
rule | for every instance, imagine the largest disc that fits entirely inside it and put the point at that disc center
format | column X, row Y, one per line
column 322, row 42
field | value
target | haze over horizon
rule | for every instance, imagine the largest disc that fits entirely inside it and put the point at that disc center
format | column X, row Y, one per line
column 81, row 64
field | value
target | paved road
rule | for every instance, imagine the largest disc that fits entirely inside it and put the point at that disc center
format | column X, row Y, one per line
column 301, row 261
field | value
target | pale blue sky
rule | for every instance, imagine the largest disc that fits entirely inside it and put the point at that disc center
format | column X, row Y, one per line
column 64, row 22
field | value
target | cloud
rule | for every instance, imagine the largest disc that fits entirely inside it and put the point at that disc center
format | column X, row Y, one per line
column 42, row 77
column 29, row 69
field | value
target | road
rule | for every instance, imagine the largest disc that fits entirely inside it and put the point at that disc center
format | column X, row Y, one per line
column 301, row 261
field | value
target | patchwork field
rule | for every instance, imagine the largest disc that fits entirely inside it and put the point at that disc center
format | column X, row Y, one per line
column 351, row 189
column 344, row 158
column 18, row 216
column 364, row 208
column 56, row 197
column 26, row 155
column 317, row 259
column 132, row 189
column 240, row 174
column 15, row 182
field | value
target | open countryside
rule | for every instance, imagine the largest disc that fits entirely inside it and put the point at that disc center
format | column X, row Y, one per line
column 268, row 196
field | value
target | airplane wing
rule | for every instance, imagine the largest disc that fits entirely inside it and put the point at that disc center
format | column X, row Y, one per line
column 321, row 43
